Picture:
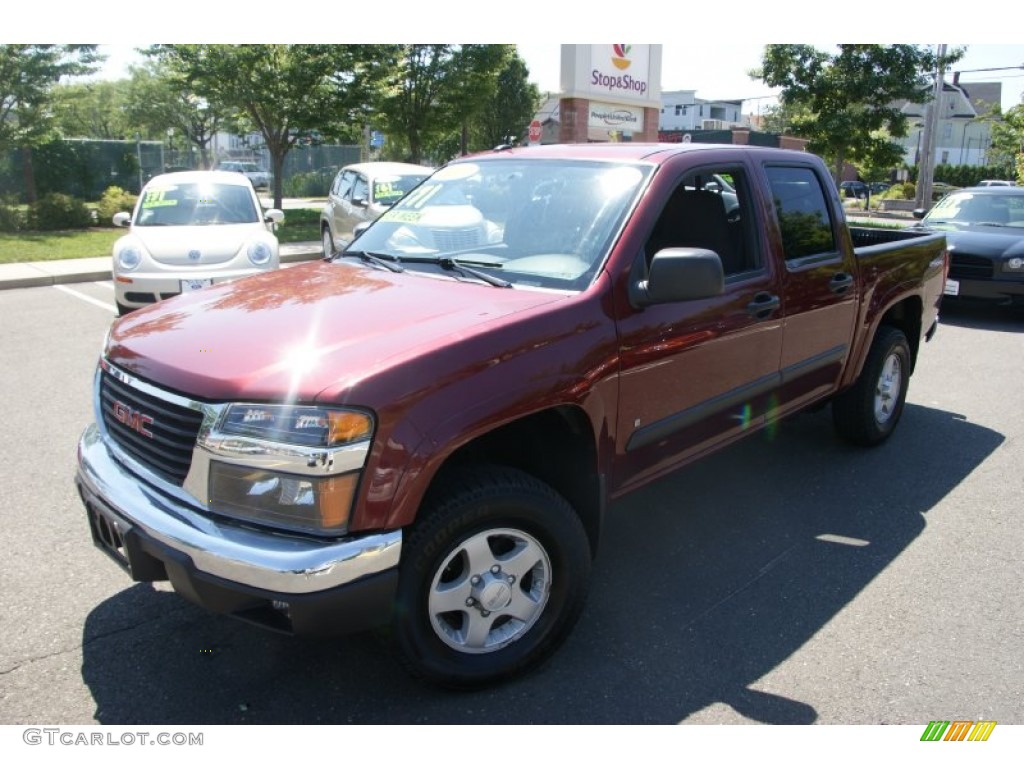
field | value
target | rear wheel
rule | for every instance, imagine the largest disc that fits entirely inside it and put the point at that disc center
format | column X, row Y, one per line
column 867, row 413
column 493, row 579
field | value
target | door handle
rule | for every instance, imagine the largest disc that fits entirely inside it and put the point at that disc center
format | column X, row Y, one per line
column 840, row 283
column 763, row 305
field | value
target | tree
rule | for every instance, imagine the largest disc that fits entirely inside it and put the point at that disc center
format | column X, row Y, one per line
column 160, row 104
column 288, row 93
column 509, row 110
column 94, row 110
column 436, row 93
column 1008, row 140
column 847, row 103
column 28, row 74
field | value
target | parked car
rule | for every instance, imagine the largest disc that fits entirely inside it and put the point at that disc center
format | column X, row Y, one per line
column 259, row 178
column 996, row 183
column 878, row 187
column 853, row 189
column 426, row 431
column 359, row 194
column 984, row 227
column 190, row 230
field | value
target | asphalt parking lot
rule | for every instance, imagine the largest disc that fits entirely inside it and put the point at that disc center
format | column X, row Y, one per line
column 789, row 579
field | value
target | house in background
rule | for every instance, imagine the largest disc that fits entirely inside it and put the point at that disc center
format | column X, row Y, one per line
column 964, row 132
column 683, row 111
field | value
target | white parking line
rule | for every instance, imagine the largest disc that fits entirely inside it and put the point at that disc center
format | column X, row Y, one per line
column 104, row 284
column 103, row 305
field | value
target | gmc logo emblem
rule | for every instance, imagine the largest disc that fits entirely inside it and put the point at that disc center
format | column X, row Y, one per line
column 131, row 418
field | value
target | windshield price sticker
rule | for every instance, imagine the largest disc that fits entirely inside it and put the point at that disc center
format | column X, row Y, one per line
column 155, row 198
column 419, row 196
column 406, row 217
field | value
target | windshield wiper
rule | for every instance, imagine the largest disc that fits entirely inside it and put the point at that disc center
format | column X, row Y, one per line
column 385, row 260
column 451, row 264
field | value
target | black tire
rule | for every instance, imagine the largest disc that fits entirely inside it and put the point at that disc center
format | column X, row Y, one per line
column 868, row 412
column 327, row 243
column 491, row 542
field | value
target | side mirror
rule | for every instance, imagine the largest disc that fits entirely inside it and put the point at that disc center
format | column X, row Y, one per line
column 919, row 213
column 273, row 216
column 122, row 219
column 679, row 274
column 359, row 228
column 359, row 202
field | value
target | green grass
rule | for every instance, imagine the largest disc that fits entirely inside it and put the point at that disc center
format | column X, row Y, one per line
column 299, row 226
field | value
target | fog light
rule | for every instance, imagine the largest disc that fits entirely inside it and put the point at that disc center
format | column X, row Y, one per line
column 296, row 502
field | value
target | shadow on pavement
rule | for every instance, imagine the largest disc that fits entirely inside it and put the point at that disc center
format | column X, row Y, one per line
column 706, row 582
column 982, row 316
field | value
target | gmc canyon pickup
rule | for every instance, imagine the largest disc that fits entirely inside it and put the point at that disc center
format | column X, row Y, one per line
column 424, row 431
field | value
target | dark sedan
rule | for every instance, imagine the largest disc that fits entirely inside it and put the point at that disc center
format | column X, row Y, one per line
column 984, row 228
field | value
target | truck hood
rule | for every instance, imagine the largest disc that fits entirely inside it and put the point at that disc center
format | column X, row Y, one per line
column 293, row 333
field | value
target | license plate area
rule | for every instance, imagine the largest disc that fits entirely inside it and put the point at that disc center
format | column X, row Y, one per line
column 952, row 287
column 188, row 286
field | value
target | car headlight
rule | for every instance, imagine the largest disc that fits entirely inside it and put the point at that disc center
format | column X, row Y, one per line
column 1016, row 263
column 260, row 253
column 128, row 258
column 289, row 482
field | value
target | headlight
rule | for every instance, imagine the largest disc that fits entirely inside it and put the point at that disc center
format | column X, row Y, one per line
column 297, row 424
column 1015, row 263
column 260, row 253
column 296, row 502
column 290, row 466
column 128, row 258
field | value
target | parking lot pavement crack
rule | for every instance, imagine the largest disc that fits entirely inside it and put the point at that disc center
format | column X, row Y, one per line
column 763, row 571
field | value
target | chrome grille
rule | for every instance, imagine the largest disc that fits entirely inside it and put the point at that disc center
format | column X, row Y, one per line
column 455, row 239
column 964, row 267
column 158, row 434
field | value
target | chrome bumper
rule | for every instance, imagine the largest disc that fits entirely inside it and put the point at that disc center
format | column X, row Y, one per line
column 280, row 563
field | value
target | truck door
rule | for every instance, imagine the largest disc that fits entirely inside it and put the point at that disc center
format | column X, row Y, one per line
column 699, row 373
column 819, row 288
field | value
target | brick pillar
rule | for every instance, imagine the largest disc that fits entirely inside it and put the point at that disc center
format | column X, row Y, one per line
column 792, row 142
column 573, row 115
column 740, row 135
column 650, row 132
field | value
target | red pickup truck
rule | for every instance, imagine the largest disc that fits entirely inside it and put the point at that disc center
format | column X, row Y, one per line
column 424, row 432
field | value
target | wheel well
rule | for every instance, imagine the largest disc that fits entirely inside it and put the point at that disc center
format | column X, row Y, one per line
column 907, row 317
column 556, row 446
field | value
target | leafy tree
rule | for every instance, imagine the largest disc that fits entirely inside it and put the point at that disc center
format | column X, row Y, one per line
column 288, row 93
column 94, row 110
column 158, row 101
column 1008, row 140
column 28, row 74
column 509, row 110
column 846, row 103
column 436, row 93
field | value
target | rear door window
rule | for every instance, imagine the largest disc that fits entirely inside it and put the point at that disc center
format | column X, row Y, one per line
column 802, row 210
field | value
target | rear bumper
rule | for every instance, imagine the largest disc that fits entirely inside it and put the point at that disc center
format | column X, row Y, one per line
column 289, row 583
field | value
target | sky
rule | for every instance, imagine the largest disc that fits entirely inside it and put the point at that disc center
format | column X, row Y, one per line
column 707, row 52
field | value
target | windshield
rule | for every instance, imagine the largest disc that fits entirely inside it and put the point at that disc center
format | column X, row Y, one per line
column 983, row 209
column 536, row 223
column 388, row 190
column 195, row 204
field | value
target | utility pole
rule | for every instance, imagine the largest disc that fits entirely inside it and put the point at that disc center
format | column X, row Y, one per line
column 926, row 169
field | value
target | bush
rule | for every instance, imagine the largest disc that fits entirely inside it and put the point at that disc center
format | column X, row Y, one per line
column 114, row 200
column 57, row 211
column 11, row 219
column 312, row 184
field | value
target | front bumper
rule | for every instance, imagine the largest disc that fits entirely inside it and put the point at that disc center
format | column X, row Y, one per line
column 138, row 289
column 290, row 583
column 1004, row 291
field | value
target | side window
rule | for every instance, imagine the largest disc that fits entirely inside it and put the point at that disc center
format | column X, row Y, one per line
column 710, row 208
column 361, row 189
column 345, row 183
column 802, row 211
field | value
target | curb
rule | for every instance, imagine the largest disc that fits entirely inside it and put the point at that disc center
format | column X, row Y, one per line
column 35, row 274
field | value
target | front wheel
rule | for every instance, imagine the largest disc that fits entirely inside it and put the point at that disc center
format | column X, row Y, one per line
column 327, row 243
column 494, row 577
column 867, row 413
